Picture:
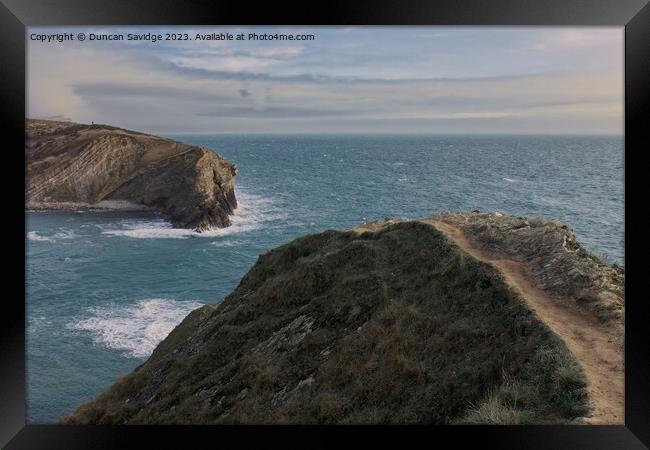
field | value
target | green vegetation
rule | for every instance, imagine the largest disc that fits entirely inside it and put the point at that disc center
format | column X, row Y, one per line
column 549, row 389
column 395, row 325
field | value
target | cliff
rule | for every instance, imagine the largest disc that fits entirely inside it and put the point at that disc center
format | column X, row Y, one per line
column 557, row 263
column 75, row 166
column 390, row 322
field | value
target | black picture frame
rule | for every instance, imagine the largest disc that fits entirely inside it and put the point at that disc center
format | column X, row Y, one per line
column 15, row 15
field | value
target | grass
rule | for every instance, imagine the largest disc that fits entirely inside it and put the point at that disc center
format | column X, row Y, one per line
column 551, row 389
column 495, row 410
column 392, row 326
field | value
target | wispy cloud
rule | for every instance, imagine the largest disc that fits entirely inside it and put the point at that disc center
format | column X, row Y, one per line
column 356, row 79
column 573, row 39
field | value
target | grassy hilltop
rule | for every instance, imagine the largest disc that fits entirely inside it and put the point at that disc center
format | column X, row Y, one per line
column 392, row 323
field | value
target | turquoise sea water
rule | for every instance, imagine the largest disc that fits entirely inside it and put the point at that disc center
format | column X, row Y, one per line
column 104, row 288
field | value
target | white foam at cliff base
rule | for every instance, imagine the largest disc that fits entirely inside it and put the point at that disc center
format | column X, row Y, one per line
column 135, row 329
column 253, row 212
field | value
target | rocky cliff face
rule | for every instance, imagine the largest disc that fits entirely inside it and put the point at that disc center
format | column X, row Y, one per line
column 387, row 323
column 558, row 263
column 79, row 166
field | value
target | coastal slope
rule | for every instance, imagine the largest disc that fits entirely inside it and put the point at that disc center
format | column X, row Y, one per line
column 389, row 322
column 573, row 292
column 77, row 166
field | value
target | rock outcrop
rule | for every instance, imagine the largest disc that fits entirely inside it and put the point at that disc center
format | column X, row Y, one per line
column 390, row 322
column 75, row 166
column 558, row 263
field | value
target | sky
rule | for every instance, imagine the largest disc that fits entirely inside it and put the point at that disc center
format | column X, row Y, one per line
column 470, row 80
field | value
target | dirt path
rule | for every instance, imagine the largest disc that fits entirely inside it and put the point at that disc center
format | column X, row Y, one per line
column 590, row 342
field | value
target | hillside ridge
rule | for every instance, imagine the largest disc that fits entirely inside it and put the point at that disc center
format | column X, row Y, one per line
column 594, row 338
column 388, row 322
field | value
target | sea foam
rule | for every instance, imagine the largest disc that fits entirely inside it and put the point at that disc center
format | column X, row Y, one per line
column 61, row 234
column 34, row 236
column 133, row 329
column 253, row 212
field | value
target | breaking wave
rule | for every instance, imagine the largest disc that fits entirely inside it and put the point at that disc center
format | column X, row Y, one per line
column 63, row 234
column 135, row 329
column 34, row 236
column 253, row 212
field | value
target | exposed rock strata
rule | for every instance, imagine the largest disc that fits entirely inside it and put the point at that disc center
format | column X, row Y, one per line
column 559, row 264
column 75, row 166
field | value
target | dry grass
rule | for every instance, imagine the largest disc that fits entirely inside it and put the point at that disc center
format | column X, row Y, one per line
column 393, row 325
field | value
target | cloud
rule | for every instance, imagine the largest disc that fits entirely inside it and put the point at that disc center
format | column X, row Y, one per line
column 228, row 63
column 573, row 39
column 131, row 91
column 281, row 112
column 229, row 60
column 312, row 100
column 277, row 52
column 59, row 118
column 248, row 88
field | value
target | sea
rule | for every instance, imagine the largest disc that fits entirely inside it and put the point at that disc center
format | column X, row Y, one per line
column 103, row 288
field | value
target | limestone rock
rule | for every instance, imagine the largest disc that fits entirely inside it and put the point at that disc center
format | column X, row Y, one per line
column 76, row 166
column 559, row 264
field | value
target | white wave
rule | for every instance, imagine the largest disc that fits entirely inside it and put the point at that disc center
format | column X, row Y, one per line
column 510, row 180
column 34, row 236
column 62, row 234
column 134, row 329
column 146, row 229
column 253, row 212
column 226, row 243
